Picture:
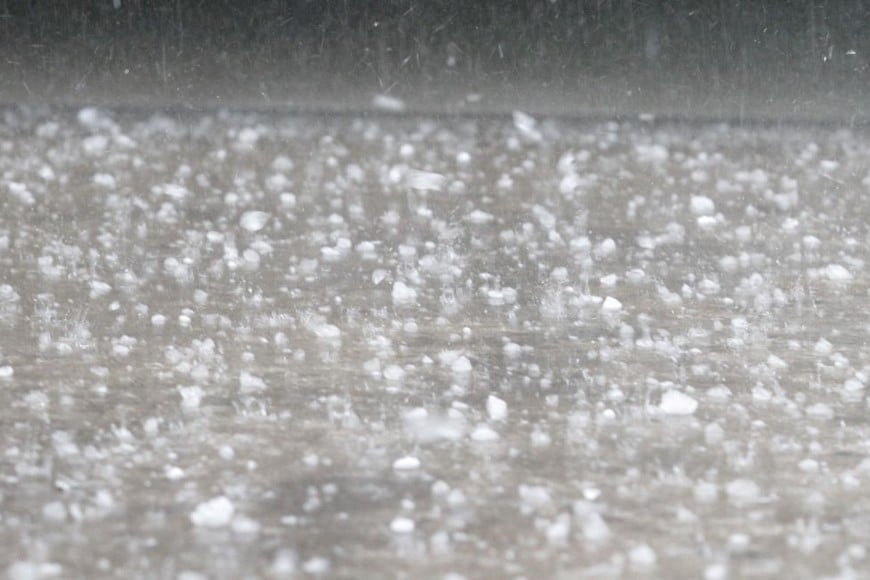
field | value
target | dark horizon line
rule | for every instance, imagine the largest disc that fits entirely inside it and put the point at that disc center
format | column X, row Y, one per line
column 585, row 116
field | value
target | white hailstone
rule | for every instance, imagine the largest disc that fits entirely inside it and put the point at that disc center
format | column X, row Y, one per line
column 728, row 264
column 173, row 473
column 809, row 465
column 461, row 366
column 175, row 191
column 282, row 164
column 248, row 137
column 495, row 297
column 540, row 438
column 479, row 217
column 558, row 531
column 440, row 488
column 388, row 104
column 837, row 273
column 254, row 221
column 484, row 434
column 251, row 258
column 716, row 571
column 191, row 397
column 509, row 295
column 424, row 180
column 244, row 526
column 367, row 250
column 823, row 347
column 611, row 305
column 105, row 180
column 569, row 183
column 6, row 372
column 594, row 528
column 99, row 289
column 394, row 373
column 527, row 126
column 512, row 350
column 534, row 497
column 403, row 295
column 120, row 350
column 776, row 363
column 249, row 383
column 702, row 205
column 559, row 275
column 372, row 367
column 496, row 408
column 604, row 249
column 811, row 243
column 742, row 490
column 609, row 281
column 283, row 564
column 54, row 511
column 20, row 192
column 90, row 117
column 713, row 434
column 95, row 145
column 407, row 252
column 379, row 275
column 677, row 403
column 401, row 525
column 214, row 513
column 739, row 542
column 642, row 556
column 407, row 463
column 851, row 385
column 277, row 183
column 652, row 153
column 707, row 222
column 406, row 151
column 327, row 332
column 820, row 411
column 316, row 566
column 706, row 492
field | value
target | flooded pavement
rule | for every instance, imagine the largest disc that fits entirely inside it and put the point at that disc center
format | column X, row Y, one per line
column 236, row 345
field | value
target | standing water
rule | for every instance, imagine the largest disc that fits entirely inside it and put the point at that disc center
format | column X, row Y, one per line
column 239, row 345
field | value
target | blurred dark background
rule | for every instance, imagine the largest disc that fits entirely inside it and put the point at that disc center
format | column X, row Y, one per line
column 805, row 57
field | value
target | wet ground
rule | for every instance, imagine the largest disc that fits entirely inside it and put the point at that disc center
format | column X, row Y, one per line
column 237, row 345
